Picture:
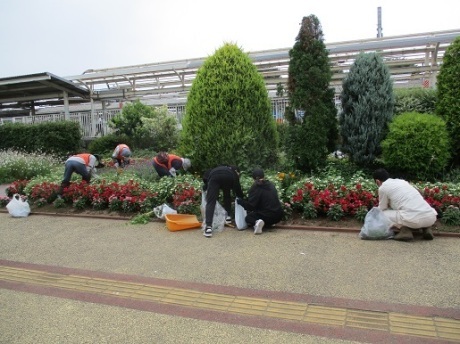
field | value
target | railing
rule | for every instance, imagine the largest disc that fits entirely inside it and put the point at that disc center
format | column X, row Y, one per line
column 96, row 125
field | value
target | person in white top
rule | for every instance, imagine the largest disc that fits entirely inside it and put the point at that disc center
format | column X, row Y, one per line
column 404, row 206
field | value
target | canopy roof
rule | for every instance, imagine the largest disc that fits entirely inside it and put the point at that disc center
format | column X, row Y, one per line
column 39, row 89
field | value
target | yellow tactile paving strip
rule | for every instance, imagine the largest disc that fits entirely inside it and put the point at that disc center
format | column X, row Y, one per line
column 394, row 323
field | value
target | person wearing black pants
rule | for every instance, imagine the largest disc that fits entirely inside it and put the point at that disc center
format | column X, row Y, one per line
column 263, row 205
column 225, row 178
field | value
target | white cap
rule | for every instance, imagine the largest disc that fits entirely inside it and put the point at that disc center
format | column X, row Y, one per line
column 186, row 164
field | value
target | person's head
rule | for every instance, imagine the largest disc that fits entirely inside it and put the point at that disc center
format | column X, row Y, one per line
column 380, row 175
column 235, row 168
column 258, row 174
column 186, row 164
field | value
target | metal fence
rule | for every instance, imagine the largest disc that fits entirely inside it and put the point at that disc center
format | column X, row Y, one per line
column 96, row 124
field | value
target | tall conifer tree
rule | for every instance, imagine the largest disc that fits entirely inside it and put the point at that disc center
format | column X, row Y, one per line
column 312, row 110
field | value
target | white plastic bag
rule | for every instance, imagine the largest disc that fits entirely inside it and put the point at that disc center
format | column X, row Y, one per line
column 240, row 216
column 376, row 226
column 17, row 207
column 162, row 210
column 218, row 220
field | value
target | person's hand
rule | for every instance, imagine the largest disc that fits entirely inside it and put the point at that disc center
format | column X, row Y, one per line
column 172, row 171
column 116, row 165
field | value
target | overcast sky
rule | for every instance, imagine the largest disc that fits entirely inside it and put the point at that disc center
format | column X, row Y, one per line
column 67, row 37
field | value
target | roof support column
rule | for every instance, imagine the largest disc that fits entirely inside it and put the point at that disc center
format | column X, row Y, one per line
column 66, row 106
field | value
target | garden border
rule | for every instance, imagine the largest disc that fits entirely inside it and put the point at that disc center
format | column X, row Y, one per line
column 287, row 227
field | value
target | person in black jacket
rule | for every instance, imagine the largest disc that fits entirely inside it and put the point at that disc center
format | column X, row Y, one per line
column 225, row 178
column 263, row 205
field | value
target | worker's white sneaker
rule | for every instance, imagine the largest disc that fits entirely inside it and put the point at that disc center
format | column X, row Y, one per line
column 208, row 232
column 258, row 226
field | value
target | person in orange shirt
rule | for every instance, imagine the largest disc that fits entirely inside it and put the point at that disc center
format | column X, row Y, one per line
column 121, row 155
column 84, row 164
column 168, row 164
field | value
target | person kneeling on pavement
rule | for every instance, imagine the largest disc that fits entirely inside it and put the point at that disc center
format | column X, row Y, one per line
column 263, row 204
column 404, row 206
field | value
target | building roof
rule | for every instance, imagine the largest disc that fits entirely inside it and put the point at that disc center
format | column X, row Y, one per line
column 39, row 89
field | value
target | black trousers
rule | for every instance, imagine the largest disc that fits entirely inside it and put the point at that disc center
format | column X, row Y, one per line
column 212, row 194
column 269, row 219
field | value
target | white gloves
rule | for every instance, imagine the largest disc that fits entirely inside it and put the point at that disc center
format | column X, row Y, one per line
column 116, row 165
column 172, row 171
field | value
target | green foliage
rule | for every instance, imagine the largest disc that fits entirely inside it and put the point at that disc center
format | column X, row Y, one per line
column 361, row 213
column 228, row 114
column 106, row 144
column 161, row 131
column 310, row 212
column 451, row 216
column 421, row 100
column 335, row 212
column 417, row 144
column 148, row 127
column 448, row 102
column 57, row 138
column 311, row 99
column 367, row 108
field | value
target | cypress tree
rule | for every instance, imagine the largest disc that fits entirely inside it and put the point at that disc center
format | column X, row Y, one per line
column 367, row 108
column 448, row 96
column 312, row 111
column 228, row 116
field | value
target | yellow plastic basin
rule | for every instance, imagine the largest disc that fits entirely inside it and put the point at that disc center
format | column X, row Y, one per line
column 178, row 222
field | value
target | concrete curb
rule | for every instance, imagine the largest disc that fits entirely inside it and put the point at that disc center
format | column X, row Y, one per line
column 284, row 227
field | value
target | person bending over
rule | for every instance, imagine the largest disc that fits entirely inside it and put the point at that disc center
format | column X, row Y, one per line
column 404, row 206
column 225, row 178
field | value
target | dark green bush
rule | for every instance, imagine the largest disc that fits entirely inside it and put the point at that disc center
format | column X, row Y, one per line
column 367, row 108
column 106, row 144
column 421, row 100
column 57, row 138
column 228, row 116
column 451, row 216
column 417, row 144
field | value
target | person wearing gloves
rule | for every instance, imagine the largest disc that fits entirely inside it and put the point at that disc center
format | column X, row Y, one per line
column 225, row 178
column 121, row 155
column 168, row 164
column 263, row 205
column 404, row 206
column 84, row 164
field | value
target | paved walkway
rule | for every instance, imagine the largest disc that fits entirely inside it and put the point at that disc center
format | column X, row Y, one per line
column 79, row 280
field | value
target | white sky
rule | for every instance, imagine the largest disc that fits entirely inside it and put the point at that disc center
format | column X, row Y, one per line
column 67, row 37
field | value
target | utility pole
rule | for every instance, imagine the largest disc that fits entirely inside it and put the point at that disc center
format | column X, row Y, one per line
column 379, row 22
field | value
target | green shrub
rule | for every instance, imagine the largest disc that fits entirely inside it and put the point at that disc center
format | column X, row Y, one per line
column 448, row 103
column 56, row 138
column 421, row 100
column 106, row 144
column 417, row 144
column 451, row 216
column 367, row 108
column 228, row 116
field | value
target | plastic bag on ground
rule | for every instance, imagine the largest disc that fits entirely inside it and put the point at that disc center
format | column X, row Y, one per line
column 218, row 220
column 376, row 226
column 17, row 207
column 162, row 210
column 240, row 216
